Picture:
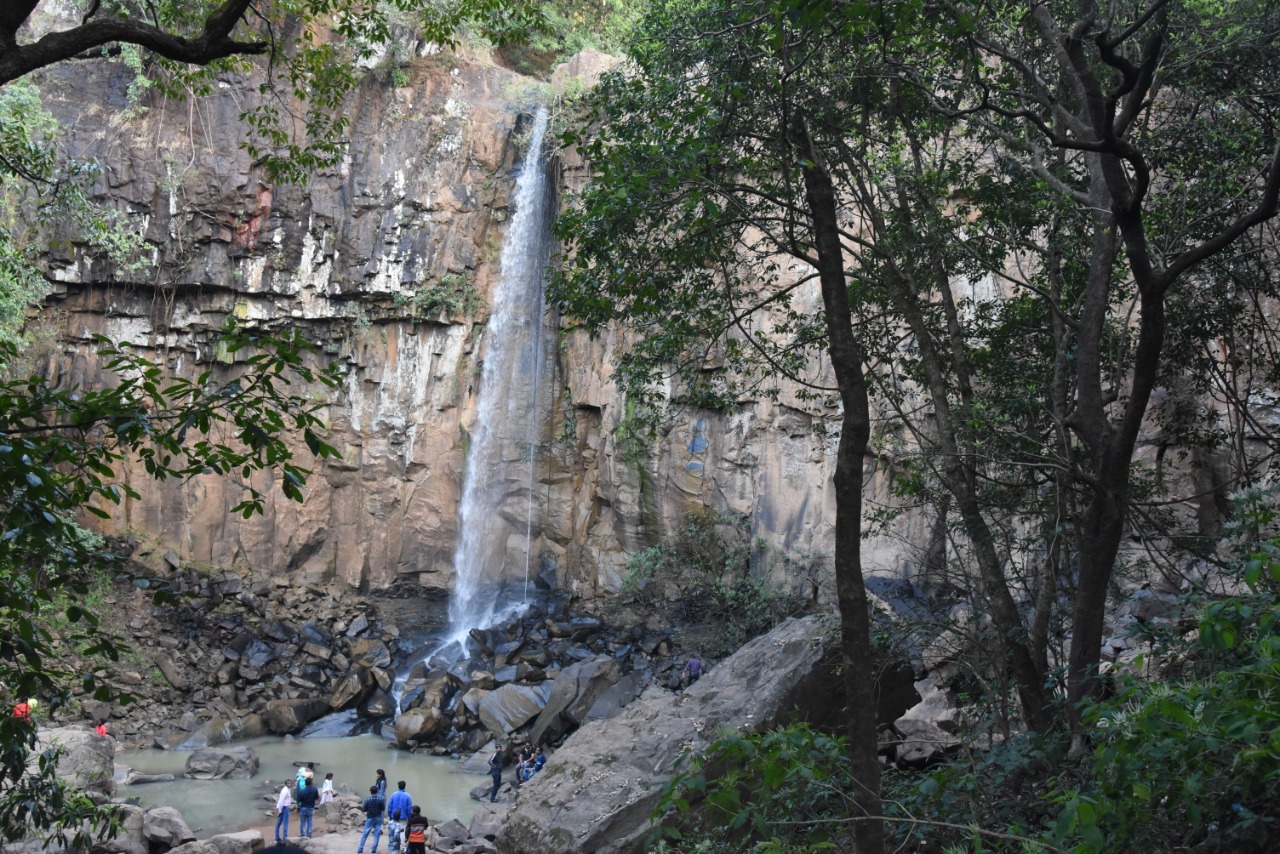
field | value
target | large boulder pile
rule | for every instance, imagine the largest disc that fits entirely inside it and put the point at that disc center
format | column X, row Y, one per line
column 533, row 678
column 597, row 792
column 242, row 657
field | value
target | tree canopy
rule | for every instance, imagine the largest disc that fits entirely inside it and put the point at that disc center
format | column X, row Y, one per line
column 1021, row 193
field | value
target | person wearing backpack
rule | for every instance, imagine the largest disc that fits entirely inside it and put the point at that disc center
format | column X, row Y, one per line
column 416, row 832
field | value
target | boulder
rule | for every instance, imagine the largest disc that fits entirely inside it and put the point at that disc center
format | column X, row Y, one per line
column 486, row 823
column 380, row 704
column 926, row 728
column 244, row 842
column 353, row 687
column 164, row 827
column 87, row 758
column 417, row 726
column 370, row 652
column 597, row 793
column 218, row 763
column 217, row 730
column 512, row 706
column 248, row 726
column 171, row 672
column 289, row 716
column 195, row 848
column 574, row 691
column 129, row 838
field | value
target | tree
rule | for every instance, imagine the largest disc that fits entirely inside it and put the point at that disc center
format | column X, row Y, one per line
column 1156, row 125
column 58, row 451
column 720, row 172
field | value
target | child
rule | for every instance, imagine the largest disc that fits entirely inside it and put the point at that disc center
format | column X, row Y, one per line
column 326, row 791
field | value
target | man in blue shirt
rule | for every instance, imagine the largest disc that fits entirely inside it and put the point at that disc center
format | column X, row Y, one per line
column 399, row 808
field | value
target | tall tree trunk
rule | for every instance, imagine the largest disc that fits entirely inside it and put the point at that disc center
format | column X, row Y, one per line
column 848, row 360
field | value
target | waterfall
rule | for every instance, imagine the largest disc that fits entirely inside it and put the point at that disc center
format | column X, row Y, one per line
column 504, row 439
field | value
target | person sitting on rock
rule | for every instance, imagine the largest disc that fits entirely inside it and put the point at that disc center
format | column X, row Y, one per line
column 539, row 760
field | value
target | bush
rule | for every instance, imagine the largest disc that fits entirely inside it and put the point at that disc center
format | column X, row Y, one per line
column 703, row 576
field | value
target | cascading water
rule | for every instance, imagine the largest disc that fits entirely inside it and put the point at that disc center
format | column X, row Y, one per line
column 504, row 439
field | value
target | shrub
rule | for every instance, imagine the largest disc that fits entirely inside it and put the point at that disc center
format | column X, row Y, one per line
column 703, row 576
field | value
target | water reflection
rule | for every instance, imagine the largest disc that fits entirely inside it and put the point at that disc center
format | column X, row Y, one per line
column 224, row 806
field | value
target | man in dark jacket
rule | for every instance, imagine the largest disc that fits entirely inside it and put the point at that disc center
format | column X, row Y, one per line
column 306, row 800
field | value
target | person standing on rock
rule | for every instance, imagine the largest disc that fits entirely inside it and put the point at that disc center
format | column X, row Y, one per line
column 693, row 670
column 495, row 771
column 381, row 783
column 399, row 808
column 307, row 797
column 326, row 791
column 416, row 832
column 282, row 812
column 374, row 807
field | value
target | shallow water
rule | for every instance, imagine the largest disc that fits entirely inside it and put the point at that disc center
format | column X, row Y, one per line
column 223, row 806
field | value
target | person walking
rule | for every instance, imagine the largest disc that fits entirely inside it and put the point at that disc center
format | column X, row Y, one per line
column 326, row 791
column 399, row 808
column 282, row 813
column 374, row 808
column 693, row 670
column 307, row 797
column 416, row 831
column 495, row 771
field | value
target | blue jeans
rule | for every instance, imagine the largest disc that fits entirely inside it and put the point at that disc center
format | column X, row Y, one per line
column 282, row 825
column 497, row 782
column 374, row 824
column 305, row 817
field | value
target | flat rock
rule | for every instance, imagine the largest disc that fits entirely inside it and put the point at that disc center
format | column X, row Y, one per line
column 289, row 716
column 512, row 706
column 216, row 763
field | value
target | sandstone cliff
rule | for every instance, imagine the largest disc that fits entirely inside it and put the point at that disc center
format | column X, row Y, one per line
column 358, row 259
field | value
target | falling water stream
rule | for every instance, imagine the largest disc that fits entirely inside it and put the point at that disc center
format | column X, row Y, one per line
column 504, row 440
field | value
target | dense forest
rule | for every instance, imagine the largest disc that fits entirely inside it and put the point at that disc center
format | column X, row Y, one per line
column 1012, row 246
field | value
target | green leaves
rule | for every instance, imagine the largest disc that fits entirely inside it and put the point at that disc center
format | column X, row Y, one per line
column 60, row 452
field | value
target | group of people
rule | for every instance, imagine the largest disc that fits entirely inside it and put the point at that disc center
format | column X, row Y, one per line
column 406, row 825
column 528, row 763
column 306, row 796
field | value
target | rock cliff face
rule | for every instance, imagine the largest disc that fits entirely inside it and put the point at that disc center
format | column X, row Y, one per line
column 376, row 262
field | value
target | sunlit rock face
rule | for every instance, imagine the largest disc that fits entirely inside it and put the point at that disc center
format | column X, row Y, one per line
column 420, row 202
